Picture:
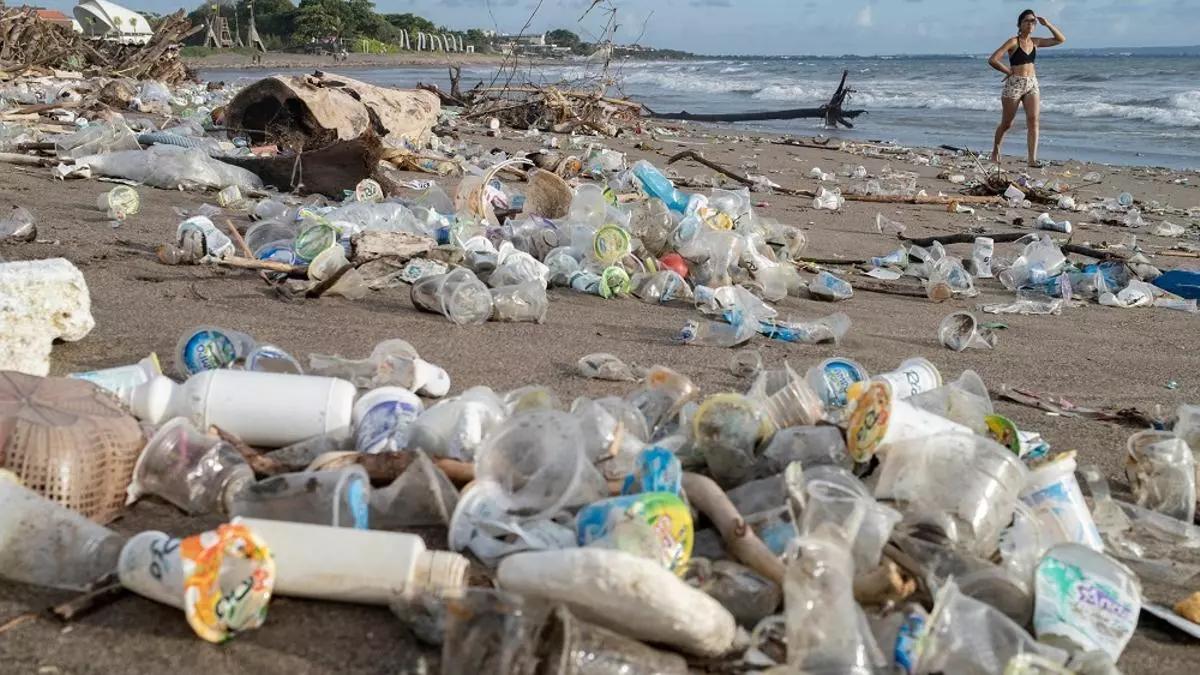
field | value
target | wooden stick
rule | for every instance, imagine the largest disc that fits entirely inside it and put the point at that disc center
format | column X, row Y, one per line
column 18, row 620
column 693, row 155
column 1179, row 254
column 963, row 238
column 89, row 602
column 268, row 265
column 260, row 463
column 25, row 160
column 909, row 291
column 708, row 498
column 237, row 239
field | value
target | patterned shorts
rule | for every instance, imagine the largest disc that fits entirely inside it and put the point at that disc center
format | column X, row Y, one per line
column 1017, row 87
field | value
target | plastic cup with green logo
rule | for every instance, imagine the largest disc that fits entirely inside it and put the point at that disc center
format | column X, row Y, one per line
column 314, row 238
column 611, row 244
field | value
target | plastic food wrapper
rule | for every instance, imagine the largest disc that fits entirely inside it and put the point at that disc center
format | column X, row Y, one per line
column 654, row 525
column 603, row 366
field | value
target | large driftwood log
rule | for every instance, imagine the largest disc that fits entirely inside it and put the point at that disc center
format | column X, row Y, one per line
column 831, row 112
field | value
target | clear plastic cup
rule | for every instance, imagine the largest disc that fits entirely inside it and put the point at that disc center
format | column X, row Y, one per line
column 964, row 401
column 338, row 498
column 811, row 446
column 45, row 544
column 961, row 330
column 1162, row 470
column 866, row 522
column 569, row 646
column 491, row 631
column 538, row 459
column 726, row 431
column 458, row 295
column 986, row 478
column 272, row 359
column 194, row 471
column 794, row 405
column 350, row 285
column 521, row 302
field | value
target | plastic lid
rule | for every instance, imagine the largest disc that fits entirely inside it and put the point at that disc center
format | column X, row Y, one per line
column 611, row 244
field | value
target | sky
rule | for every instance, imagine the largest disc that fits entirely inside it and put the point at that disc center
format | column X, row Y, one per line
column 822, row 27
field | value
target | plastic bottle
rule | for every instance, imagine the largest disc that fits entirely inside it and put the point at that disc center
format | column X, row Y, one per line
column 830, row 288
column 657, row 185
column 47, row 544
column 365, row 566
column 263, row 409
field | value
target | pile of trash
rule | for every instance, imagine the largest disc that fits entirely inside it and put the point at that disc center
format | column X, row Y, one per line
column 800, row 523
column 30, row 46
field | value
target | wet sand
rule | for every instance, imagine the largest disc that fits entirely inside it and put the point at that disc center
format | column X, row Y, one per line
column 1090, row 354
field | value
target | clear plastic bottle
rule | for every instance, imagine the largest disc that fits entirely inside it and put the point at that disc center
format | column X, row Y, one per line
column 657, row 185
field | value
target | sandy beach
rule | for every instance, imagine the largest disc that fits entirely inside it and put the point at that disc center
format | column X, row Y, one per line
column 1091, row 355
column 288, row 61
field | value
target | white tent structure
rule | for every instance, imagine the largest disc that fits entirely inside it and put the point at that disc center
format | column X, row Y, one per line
column 108, row 21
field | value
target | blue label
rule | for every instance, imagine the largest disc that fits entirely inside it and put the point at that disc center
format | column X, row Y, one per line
column 906, row 642
column 208, row 350
column 356, row 501
column 840, row 375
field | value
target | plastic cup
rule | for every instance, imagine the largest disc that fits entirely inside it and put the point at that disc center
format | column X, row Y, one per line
column 880, row 420
column 811, row 446
column 1187, row 427
column 194, row 471
column 726, row 430
column 269, row 232
column 458, row 295
column 382, row 418
column 981, row 256
column 350, row 285
column 965, row 401
column 368, row 190
column 746, row 362
column 229, row 196
column 272, row 359
column 337, row 498
column 986, row 478
column 611, row 244
column 489, row 631
column 520, row 302
column 1162, row 470
column 569, row 646
column 46, row 544
column 221, row 579
column 538, row 459
column 485, row 522
column 119, row 202
column 1087, row 599
column 914, row 376
column 961, row 330
column 1053, row 493
column 216, row 242
column 794, row 405
column 314, row 238
column 210, row 348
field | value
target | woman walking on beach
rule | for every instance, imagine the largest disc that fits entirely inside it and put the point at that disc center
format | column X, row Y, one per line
column 1020, row 83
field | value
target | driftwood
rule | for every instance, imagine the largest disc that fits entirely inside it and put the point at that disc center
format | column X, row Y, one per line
column 237, row 239
column 709, row 499
column 262, row 265
column 88, row 602
column 831, row 112
column 1007, row 237
column 927, row 199
column 886, row 584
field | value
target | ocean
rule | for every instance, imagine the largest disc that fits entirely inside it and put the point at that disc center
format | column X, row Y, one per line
column 1118, row 108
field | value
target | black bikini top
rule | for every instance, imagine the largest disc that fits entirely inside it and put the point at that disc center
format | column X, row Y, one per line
column 1020, row 57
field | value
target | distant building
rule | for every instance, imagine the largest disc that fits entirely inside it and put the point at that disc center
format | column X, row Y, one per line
column 104, row 20
column 54, row 16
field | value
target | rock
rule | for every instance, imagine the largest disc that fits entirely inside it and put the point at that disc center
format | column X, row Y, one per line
column 374, row 244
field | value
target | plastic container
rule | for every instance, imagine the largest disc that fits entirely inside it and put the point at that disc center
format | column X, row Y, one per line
column 880, row 420
column 811, row 446
column 272, row 359
column 626, row 593
column 795, row 404
column 458, row 295
column 122, row 380
column 654, row 525
column 210, row 348
column 120, row 202
column 866, row 522
column 364, row 566
column 215, row 242
column 824, row 633
column 490, row 631
column 657, row 185
column 981, row 257
column 1087, row 599
column 830, row 288
column 196, row 472
column 45, row 544
column 965, row 401
column 914, row 376
column 269, row 410
column 222, row 579
column 338, row 498
column 1053, row 493
column 382, row 418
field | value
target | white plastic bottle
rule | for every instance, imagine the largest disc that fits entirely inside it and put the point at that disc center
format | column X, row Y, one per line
column 123, row 380
column 263, row 409
column 365, row 566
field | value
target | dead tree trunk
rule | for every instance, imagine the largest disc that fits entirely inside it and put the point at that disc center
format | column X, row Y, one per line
column 831, row 112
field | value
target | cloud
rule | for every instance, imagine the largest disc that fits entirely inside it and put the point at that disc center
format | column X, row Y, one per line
column 865, row 17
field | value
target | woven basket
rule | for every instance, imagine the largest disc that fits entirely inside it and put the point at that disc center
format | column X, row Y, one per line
column 68, row 440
